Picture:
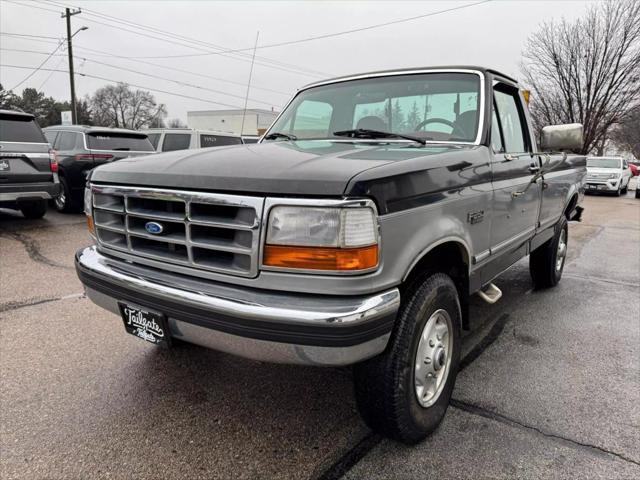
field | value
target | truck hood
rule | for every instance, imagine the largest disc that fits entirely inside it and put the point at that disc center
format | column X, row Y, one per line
column 290, row 168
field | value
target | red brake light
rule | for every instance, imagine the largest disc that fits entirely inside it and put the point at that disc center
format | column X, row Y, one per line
column 93, row 156
column 53, row 160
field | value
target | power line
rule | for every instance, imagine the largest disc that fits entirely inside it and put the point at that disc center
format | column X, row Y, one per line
column 26, row 35
column 241, row 97
column 164, row 32
column 293, row 69
column 88, row 75
column 324, row 36
column 39, row 66
column 102, row 53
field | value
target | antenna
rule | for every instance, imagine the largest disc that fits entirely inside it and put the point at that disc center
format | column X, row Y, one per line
column 246, row 98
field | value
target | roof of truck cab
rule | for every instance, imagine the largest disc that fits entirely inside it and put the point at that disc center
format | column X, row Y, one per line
column 91, row 129
column 400, row 71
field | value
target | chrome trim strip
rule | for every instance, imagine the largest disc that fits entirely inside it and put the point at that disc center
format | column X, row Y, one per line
column 26, row 154
column 506, row 243
column 481, row 256
column 399, row 73
column 10, row 197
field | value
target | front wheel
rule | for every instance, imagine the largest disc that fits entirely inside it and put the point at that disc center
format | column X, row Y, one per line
column 546, row 262
column 404, row 392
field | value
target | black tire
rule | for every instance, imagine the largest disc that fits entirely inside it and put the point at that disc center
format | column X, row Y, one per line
column 625, row 189
column 617, row 193
column 66, row 202
column 384, row 386
column 543, row 260
column 638, row 191
column 33, row 210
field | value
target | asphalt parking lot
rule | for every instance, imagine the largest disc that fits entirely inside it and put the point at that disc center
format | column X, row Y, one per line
column 550, row 386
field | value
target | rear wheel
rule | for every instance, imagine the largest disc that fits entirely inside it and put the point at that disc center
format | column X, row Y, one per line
column 404, row 392
column 34, row 209
column 65, row 201
column 546, row 262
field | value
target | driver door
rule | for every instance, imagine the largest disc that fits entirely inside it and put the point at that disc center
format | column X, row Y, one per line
column 516, row 201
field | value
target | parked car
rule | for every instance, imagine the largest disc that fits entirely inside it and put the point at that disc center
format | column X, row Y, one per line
column 608, row 174
column 170, row 139
column 634, row 166
column 81, row 148
column 28, row 166
column 342, row 238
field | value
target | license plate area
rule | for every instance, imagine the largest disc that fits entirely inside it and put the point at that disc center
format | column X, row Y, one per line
column 146, row 324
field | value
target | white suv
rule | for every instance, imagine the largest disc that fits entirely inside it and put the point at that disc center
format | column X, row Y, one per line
column 608, row 174
column 169, row 139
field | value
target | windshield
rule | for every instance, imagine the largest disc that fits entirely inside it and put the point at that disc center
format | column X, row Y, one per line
column 603, row 162
column 432, row 106
column 119, row 141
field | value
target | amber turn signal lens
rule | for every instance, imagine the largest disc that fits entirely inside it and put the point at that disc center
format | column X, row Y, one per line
column 90, row 225
column 321, row 258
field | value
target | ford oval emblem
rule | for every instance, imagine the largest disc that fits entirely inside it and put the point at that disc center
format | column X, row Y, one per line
column 153, row 228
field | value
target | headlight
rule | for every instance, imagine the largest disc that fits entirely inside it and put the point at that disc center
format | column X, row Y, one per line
column 319, row 238
column 614, row 176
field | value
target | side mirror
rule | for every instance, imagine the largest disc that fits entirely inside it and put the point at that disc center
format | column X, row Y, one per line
column 562, row 137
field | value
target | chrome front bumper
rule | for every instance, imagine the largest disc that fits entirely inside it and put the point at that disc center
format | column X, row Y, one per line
column 262, row 325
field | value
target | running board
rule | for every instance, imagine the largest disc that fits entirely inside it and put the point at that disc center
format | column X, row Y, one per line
column 490, row 294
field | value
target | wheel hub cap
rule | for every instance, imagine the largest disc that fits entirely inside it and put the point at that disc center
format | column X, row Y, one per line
column 433, row 358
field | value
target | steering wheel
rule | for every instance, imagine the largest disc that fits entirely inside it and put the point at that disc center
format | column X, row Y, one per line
column 435, row 120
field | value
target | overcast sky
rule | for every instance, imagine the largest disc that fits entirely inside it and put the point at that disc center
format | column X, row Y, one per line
column 490, row 34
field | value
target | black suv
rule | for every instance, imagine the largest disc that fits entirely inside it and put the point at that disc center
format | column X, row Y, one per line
column 81, row 148
column 27, row 165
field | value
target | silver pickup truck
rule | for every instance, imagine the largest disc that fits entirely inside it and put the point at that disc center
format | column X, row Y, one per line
column 353, row 233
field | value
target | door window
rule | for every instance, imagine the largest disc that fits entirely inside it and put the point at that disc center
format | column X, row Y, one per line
column 66, row 141
column 496, row 136
column 51, row 137
column 154, row 138
column 176, row 141
column 511, row 122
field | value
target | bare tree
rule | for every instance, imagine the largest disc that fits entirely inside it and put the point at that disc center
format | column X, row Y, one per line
column 587, row 71
column 627, row 134
column 120, row 106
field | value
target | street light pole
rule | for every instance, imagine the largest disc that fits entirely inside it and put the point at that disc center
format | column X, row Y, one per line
column 74, row 111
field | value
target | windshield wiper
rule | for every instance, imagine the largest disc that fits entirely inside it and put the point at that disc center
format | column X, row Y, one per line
column 274, row 135
column 366, row 133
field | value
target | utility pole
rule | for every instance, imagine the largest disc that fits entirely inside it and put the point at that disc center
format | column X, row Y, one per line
column 74, row 110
